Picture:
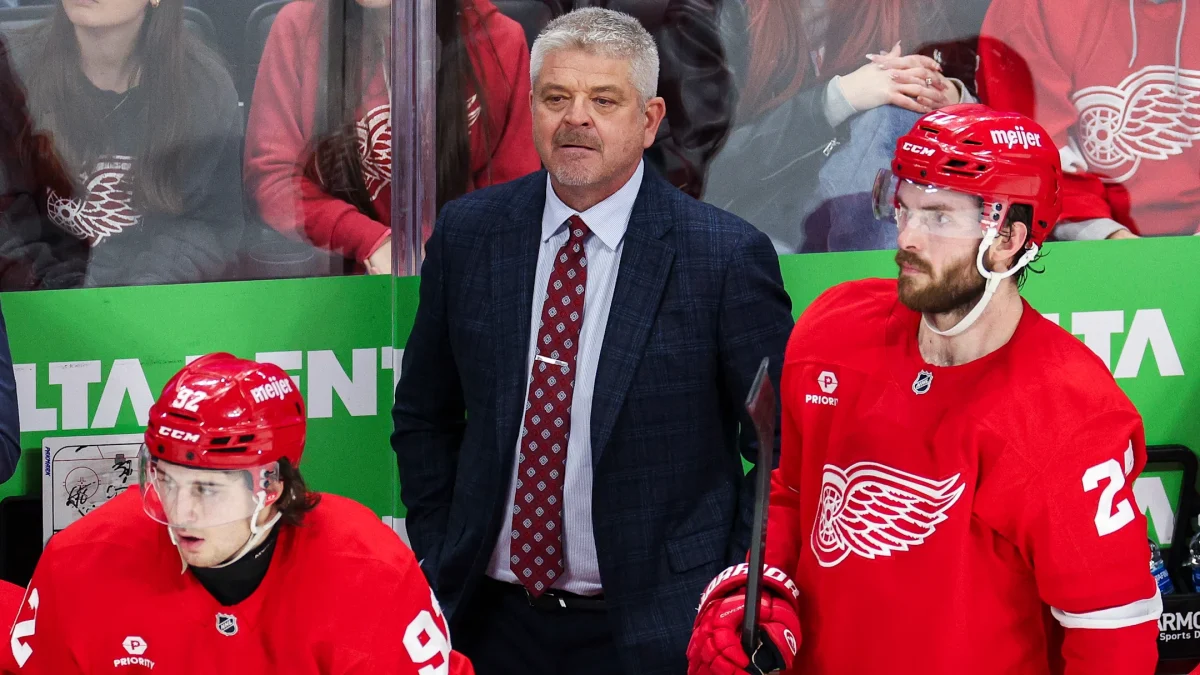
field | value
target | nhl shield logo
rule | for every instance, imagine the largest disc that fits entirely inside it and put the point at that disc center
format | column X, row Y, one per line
column 922, row 383
column 227, row 625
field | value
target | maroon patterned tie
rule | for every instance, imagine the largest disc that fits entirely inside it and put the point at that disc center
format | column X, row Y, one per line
column 536, row 549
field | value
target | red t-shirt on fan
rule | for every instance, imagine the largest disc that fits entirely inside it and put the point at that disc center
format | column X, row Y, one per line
column 932, row 517
column 342, row 596
column 1106, row 85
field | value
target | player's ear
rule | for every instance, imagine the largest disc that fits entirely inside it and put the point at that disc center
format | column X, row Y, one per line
column 271, row 484
column 274, row 490
column 1010, row 243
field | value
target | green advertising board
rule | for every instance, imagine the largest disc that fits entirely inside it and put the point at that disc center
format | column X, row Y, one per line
column 90, row 361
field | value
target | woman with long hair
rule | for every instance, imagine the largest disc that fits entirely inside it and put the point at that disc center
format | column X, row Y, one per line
column 318, row 151
column 816, row 74
column 146, row 121
column 31, row 248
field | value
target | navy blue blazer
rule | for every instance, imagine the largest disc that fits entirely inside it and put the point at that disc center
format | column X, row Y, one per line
column 10, row 422
column 699, row 301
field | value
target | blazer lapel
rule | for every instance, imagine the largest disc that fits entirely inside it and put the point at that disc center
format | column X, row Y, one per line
column 514, row 264
column 642, row 276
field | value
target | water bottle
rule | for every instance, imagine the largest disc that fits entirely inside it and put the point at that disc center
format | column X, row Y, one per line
column 1194, row 561
column 1159, row 570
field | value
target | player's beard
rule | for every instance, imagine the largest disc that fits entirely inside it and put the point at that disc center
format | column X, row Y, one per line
column 956, row 290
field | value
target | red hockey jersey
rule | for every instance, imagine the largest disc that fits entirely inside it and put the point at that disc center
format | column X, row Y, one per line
column 931, row 517
column 342, row 596
column 1107, row 84
column 11, row 596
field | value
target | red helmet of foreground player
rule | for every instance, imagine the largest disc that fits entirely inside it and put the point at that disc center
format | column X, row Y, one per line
column 1002, row 157
column 222, row 412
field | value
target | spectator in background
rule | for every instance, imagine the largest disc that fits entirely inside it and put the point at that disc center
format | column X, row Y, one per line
column 1116, row 83
column 694, row 80
column 805, row 91
column 146, row 121
column 31, row 248
column 318, row 152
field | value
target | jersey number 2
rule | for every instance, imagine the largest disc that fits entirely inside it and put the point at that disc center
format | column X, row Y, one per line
column 1108, row 520
column 21, row 651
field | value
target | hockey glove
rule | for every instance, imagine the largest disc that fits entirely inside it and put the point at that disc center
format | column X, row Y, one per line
column 716, row 646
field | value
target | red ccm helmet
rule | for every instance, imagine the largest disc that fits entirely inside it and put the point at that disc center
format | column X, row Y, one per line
column 219, row 414
column 1002, row 157
column 222, row 412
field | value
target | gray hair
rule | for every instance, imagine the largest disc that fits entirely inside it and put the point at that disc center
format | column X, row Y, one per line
column 604, row 32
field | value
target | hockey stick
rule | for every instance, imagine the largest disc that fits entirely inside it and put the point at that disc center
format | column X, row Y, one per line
column 760, row 403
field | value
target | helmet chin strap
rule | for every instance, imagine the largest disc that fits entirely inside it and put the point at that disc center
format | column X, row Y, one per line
column 989, row 288
column 175, row 541
column 257, row 533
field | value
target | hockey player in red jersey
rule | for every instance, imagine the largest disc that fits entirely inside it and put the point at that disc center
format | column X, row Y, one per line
column 223, row 562
column 955, row 487
column 11, row 596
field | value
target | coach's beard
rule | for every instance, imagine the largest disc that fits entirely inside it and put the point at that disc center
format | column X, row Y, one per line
column 955, row 292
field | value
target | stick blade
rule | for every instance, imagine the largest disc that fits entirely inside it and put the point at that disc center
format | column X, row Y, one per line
column 760, row 404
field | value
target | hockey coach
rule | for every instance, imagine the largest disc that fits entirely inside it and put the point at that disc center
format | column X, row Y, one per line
column 569, row 423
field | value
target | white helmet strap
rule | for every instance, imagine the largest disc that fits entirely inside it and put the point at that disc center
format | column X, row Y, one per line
column 175, row 541
column 257, row 533
column 992, row 226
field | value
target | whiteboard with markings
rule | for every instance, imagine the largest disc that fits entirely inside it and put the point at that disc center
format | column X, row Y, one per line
column 81, row 473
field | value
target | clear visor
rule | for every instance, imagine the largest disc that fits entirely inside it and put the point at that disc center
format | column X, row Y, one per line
column 188, row 498
column 935, row 211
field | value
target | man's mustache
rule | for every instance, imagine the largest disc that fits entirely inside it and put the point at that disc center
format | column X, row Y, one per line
column 913, row 260
column 579, row 138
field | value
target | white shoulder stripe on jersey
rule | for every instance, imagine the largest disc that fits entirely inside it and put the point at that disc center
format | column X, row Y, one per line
column 1117, row 617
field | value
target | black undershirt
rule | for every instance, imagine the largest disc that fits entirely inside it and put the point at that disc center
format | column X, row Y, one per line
column 234, row 583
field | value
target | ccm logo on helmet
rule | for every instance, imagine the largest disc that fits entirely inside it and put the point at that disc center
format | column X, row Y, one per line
column 270, row 390
column 917, row 149
column 1017, row 136
column 178, row 435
